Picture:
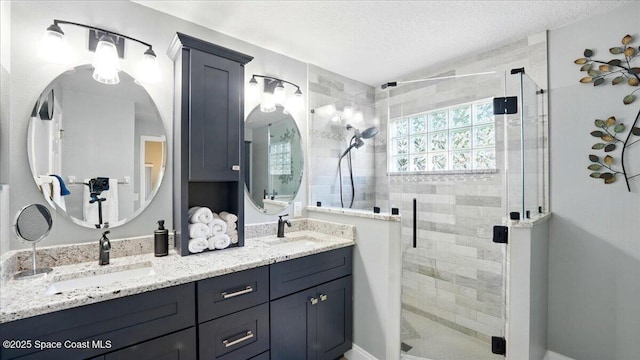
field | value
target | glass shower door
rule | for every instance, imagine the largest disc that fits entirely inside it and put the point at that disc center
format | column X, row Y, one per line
column 446, row 160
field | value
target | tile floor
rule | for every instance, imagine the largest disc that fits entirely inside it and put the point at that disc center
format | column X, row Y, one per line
column 433, row 341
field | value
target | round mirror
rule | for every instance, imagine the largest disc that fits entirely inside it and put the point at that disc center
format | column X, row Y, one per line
column 273, row 150
column 97, row 152
column 33, row 223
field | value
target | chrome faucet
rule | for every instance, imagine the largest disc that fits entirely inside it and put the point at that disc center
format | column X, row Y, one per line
column 281, row 225
column 105, row 247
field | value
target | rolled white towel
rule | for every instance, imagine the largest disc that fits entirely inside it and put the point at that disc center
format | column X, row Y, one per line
column 231, row 226
column 198, row 230
column 200, row 215
column 217, row 226
column 198, row 245
column 219, row 242
column 228, row 217
column 233, row 235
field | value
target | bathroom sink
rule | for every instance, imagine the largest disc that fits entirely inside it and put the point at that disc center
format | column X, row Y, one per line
column 107, row 276
column 298, row 240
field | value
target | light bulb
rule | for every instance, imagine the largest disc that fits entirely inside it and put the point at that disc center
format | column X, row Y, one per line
column 253, row 91
column 268, row 103
column 297, row 102
column 53, row 47
column 331, row 109
column 347, row 112
column 106, row 62
column 279, row 95
column 149, row 70
column 358, row 117
column 335, row 118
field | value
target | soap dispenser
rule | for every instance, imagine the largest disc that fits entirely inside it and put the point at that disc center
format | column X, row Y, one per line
column 161, row 240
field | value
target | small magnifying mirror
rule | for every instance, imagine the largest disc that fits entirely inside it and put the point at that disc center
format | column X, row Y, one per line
column 33, row 223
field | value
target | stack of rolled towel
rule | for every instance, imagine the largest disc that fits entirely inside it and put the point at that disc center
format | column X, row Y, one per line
column 208, row 230
column 232, row 225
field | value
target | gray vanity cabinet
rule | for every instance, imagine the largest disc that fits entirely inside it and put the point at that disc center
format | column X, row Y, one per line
column 176, row 346
column 296, row 309
column 233, row 315
column 99, row 328
column 315, row 323
column 208, row 132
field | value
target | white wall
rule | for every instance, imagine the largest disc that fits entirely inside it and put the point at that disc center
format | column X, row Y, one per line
column 594, row 254
column 5, row 60
column 30, row 75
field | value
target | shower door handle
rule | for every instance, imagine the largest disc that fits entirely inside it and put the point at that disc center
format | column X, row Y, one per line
column 415, row 223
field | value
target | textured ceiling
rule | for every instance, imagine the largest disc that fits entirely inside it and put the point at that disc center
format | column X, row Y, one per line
column 378, row 41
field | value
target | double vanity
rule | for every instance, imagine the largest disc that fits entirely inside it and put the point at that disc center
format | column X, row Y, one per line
column 266, row 297
column 279, row 298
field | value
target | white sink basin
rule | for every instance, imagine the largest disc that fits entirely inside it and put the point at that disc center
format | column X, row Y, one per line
column 111, row 276
column 297, row 240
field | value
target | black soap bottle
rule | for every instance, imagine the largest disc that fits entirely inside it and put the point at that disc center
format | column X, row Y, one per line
column 161, row 240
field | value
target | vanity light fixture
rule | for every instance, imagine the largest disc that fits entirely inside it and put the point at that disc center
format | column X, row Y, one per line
column 53, row 48
column 275, row 94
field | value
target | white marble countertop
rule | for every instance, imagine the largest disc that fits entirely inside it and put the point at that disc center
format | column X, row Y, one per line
column 25, row 298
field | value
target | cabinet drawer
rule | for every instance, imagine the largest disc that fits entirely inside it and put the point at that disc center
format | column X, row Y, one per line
column 299, row 274
column 125, row 321
column 176, row 346
column 263, row 356
column 236, row 336
column 230, row 293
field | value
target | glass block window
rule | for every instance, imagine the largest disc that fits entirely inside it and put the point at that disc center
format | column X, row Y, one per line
column 460, row 137
column 280, row 158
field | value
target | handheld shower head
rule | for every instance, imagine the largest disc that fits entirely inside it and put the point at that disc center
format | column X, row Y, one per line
column 370, row 132
column 366, row 134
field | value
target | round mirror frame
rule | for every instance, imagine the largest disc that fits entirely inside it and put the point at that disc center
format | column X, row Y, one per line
column 279, row 109
column 46, row 94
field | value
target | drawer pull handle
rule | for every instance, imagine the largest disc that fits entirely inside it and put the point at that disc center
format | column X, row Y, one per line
column 235, row 168
column 228, row 343
column 313, row 301
column 246, row 290
column 323, row 297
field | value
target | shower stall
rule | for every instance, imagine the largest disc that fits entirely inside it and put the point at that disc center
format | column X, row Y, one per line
column 456, row 154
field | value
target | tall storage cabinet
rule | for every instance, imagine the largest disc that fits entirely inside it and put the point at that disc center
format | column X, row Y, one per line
column 208, row 132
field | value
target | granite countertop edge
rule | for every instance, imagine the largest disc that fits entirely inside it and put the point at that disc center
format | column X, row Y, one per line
column 21, row 299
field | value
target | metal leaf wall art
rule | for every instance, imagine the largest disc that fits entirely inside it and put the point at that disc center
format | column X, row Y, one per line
column 609, row 132
column 613, row 135
column 622, row 69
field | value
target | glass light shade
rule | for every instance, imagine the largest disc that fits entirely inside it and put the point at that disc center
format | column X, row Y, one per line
column 279, row 94
column 53, row 47
column 268, row 104
column 148, row 69
column 297, row 102
column 331, row 109
column 253, row 91
column 105, row 61
column 347, row 112
column 335, row 118
column 358, row 117
column 106, row 76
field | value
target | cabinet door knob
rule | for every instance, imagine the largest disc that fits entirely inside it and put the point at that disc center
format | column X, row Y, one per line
column 313, row 301
column 235, row 168
column 323, row 297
